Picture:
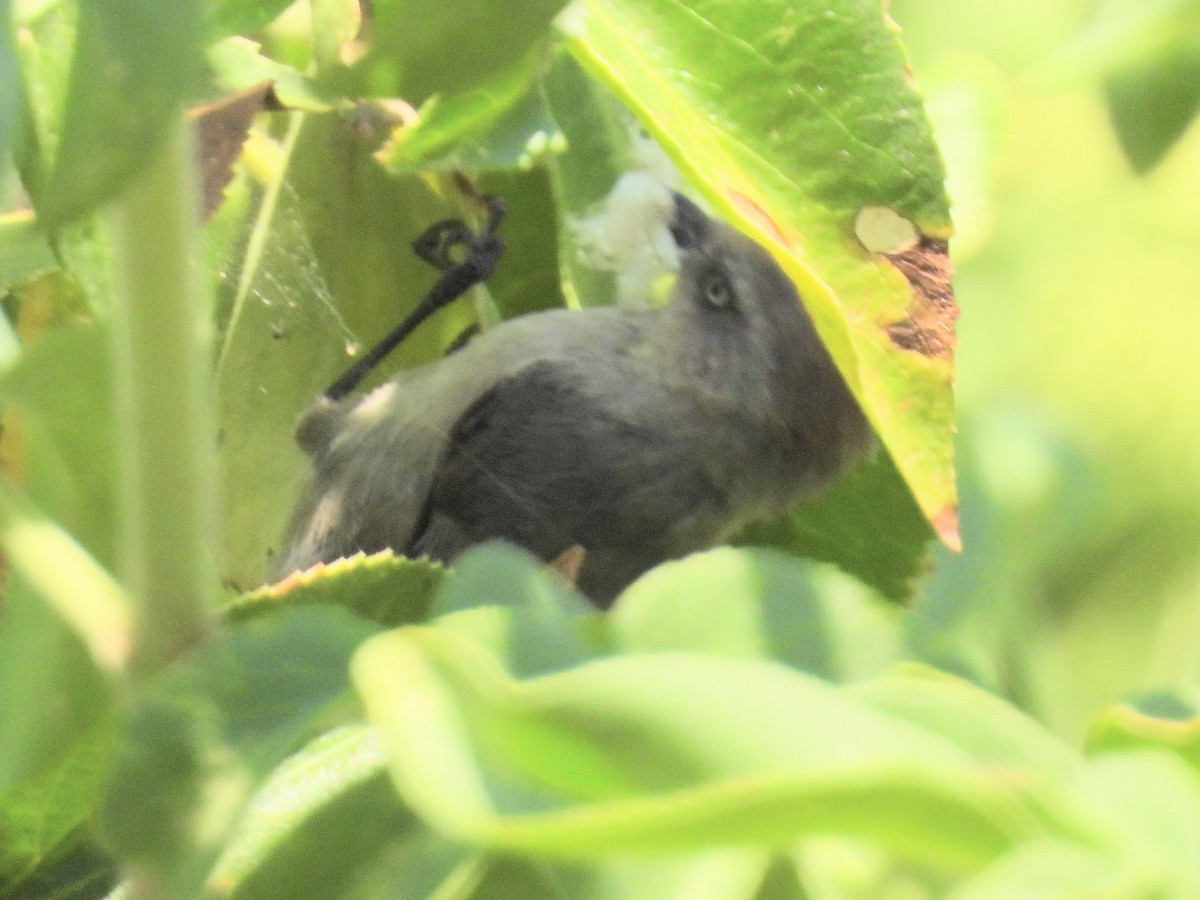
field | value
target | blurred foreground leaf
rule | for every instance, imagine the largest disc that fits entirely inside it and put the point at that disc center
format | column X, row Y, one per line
column 1123, row 727
column 204, row 739
column 422, row 49
column 324, row 817
column 754, row 604
column 226, row 17
column 134, row 65
column 43, row 660
column 532, row 766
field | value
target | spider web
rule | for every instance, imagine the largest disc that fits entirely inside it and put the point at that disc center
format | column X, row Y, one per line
column 284, row 342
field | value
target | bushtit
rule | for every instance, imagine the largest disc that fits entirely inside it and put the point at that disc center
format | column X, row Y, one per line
column 640, row 435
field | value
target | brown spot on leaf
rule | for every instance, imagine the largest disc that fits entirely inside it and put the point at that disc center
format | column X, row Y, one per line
column 945, row 525
column 758, row 215
column 221, row 130
column 929, row 326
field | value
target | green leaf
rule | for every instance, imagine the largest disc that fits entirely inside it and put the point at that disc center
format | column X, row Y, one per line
column 283, row 343
column 83, row 872
column 44, row 62
column 46, row 57
column 204, row 739
column 360, row 224
column 135, row 63
column 334, row 23
column 1122, row 727
column 228, row 17
column 1151, row 799
column 533, row 765
column 756, row 604
column 598, row 152
column 24, row 251
column 1050, row 869
column 389, row 590
column 67, row 579
column 1147, row 57
column 527, row 277
column 42, row 817
column 39, row 736
column 1152, row 105
column 10, row 74
column 62, row 386
column 503, row 597
column 866, row 523
column 985, row 726
column 710, row 875
column 795, row 138
column 239, row 63
column 448, row 47
column 327, row 816
column 500, row 125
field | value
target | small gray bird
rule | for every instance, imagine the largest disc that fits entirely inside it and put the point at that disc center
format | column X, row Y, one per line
column 639, row 435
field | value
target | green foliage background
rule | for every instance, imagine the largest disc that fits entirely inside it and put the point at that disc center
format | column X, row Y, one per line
column 1078, row 426
column 744, row 724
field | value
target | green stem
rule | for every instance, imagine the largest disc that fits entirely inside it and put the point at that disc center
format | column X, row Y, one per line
column 165, row 435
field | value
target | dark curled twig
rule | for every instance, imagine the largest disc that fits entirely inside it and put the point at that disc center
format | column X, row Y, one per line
column 437, row 245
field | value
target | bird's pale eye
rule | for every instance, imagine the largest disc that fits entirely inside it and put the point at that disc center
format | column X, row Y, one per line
column 716, row 291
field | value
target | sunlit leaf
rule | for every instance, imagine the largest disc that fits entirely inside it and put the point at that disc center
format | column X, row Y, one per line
column 820, row 135
column 1053, row 870
column 979, row 722
column 389, row 590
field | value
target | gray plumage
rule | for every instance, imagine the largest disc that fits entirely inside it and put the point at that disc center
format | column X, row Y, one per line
column 640, row 435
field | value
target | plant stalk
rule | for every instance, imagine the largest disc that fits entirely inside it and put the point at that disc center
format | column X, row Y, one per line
column 165, row 434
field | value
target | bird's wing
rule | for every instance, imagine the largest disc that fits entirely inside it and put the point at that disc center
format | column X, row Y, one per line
column 511, row 468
